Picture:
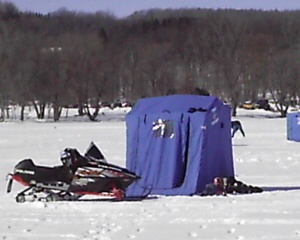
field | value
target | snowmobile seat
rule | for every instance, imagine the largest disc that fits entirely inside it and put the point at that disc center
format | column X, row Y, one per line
column 41, row 174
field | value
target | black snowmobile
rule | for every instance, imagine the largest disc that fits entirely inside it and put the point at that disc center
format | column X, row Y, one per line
column 77, row 176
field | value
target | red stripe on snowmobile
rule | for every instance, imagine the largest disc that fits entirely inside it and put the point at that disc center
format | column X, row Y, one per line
column 20, row 180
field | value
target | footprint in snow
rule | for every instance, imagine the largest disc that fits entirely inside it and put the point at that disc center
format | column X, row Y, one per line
column 242, row 222
column 203, row 226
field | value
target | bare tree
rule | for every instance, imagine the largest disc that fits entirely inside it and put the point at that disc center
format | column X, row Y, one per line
column 229, row 46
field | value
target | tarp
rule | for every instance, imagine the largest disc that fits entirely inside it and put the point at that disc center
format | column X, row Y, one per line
column 293, row 126
column 178, row 143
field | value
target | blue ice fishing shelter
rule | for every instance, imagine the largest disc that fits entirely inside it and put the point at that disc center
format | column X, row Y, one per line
column 293, row 126
column 178, row 143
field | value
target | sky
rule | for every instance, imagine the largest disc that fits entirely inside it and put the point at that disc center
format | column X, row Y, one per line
column 123, row 8
column 263, row 158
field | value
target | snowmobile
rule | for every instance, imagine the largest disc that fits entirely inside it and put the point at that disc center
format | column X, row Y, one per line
column 78, row 175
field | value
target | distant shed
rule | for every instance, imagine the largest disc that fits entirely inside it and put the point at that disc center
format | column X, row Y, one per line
column 293, row 126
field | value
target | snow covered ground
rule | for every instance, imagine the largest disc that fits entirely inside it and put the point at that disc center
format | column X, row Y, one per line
column 263, row 158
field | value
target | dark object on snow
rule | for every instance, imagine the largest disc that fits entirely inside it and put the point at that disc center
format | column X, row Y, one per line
column 77, row 176
column 237, row 126
column 263, row 104
column 215, row 188
column 235, row 186
column 223, row 186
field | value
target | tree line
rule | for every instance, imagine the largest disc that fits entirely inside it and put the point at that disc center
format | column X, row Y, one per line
column 71, row 58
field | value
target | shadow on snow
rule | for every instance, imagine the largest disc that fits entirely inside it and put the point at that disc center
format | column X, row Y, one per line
column 272, row 189
column 126, row 199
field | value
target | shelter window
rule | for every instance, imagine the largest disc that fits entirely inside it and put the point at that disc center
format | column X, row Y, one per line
column 163, row 128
